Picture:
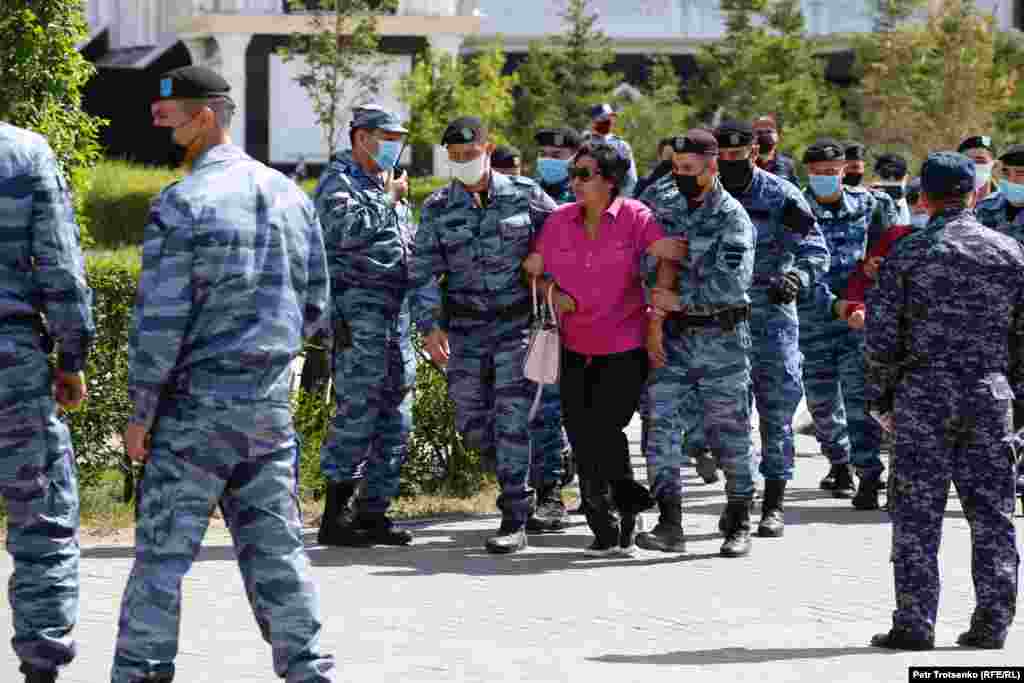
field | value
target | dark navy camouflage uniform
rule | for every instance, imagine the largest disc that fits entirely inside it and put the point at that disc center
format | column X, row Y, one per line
column 548, row 438
column 706, row 366
column 775, row 356
column 834, row 352
column 945, row 346
column 234, row 275
column 41, row 271
column 783, row 167
column 481, row 251
column 368, row 239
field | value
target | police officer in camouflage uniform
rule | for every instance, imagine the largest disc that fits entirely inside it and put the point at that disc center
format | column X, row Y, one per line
column 476, row 232
column 982, row 152
column 833, row 352
column 887, row 212
column 945, row 357
column 790, row 257
column 699, row 340
column 368, row 233
column 234, row 274
column 507, row 159
column 1004, row 211
column 555, row 148
column 42, row 273
column 602, row 122
column 769, row 158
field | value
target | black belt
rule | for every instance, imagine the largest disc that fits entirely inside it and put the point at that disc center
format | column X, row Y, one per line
column 504, row 313
column 726, row 319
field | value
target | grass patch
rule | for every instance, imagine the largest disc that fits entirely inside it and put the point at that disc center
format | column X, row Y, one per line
column 117, row 204
column 128, row 257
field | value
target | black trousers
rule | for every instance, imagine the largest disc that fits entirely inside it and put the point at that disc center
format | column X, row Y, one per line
column 600, row 394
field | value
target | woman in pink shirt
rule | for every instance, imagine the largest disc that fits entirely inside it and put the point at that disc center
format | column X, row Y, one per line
column 593, row 251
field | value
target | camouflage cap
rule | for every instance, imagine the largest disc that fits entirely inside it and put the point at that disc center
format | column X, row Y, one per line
column 376, row 117
column 945, row 173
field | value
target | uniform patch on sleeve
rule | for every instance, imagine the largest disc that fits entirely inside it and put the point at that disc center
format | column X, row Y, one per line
column 733, row 255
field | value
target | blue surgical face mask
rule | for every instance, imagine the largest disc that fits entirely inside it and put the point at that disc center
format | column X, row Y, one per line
column 919, row 220
column 826, row 185
column 1014, row 192
column 387, row 154
column 552, row 171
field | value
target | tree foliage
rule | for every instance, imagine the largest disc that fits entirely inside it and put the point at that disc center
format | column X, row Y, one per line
column 928, row 86
column 581, row 59
column 342, row 63
column 43, row 76
column 658, row 114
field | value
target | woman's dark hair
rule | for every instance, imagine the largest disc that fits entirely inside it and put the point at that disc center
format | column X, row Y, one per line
column 610, row 163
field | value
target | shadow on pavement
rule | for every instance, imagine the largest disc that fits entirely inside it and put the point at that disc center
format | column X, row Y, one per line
column 743, row 655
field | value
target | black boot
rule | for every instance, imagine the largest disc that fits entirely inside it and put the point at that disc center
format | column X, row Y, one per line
column 667, row 535
column 898, row 639
column 510, row 538
column 339, row 526
column 33, row 675
column 983, row 633
column 829, row 482
column 380, row 529
column 772, row 522
column 737, row 529
column 550, row 514
column 706, row 464
column 843, row 487
column 867, row 492
column 602, row 517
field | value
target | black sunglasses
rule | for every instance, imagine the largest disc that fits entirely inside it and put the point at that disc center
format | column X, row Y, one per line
column 581, row 173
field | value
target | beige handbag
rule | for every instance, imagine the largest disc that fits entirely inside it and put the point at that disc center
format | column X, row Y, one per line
column 543, row 355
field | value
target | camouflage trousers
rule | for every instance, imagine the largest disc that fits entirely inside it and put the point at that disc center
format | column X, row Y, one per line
column 39, row 486
column 374, row 373
column 199, row 458
column 709, row 368
column 834, row 383
column 492, row 402
column 946, row 430
column 776, row 389
column 547, row 439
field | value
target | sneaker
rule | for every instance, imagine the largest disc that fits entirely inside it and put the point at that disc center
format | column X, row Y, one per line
column 599, row 549
column 627, row 538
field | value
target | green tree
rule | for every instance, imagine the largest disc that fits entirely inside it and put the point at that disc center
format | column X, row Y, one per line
column 581, row 58
column 536, row 100
column 926, row 87
column 43, row 75
column 766, row 63
column 342, row 62
column 441, row 87
column 658, row 114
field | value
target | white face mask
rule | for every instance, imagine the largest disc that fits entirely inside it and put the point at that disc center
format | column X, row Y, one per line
column 469, row 172
column 982, row 174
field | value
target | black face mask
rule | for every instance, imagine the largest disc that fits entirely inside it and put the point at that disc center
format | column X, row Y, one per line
column 688, row 186
column 853, row 179
column 736, row 175
column 765, row 144
column 894, row 191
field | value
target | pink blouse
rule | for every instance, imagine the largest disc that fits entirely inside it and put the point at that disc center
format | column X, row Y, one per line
column 604, row 276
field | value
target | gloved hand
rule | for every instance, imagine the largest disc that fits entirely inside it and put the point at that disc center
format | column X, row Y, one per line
column 785, row 289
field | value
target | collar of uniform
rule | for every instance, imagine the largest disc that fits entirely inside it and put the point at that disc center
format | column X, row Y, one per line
column 500, row 185
column 217, row 154
column 612, row 210
column 947, row 216
column 351, row 167
column 846, row 203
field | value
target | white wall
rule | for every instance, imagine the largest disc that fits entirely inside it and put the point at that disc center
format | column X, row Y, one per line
column 293, row 128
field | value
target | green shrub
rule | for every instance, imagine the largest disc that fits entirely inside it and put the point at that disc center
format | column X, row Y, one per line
column 118, row 201
column 421, row 188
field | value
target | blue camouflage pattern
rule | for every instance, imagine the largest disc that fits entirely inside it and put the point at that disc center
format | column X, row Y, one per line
column 783, row 167
column 706, row 366
column 833, row 352
column 368, row 238
column 41, row 271
column 234, row 276
column 480, row 251
column 945, row 345
column 775, row 358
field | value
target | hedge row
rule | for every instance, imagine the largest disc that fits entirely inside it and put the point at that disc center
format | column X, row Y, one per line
column 117, row 204
column 437, row 461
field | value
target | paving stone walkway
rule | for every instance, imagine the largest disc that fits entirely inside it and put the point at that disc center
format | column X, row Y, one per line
column 799, row 608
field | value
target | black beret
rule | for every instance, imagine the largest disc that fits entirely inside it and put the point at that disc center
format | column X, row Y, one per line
column 696, row 141
column 192, row 82
column 947, row 173
column 557, row 137
column 505, row 156
column 463, row 131
column 891, row 166
column 825, row 149
column 1013, row 156
column 976, row 142
column 734, row 134
column 855, row 151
